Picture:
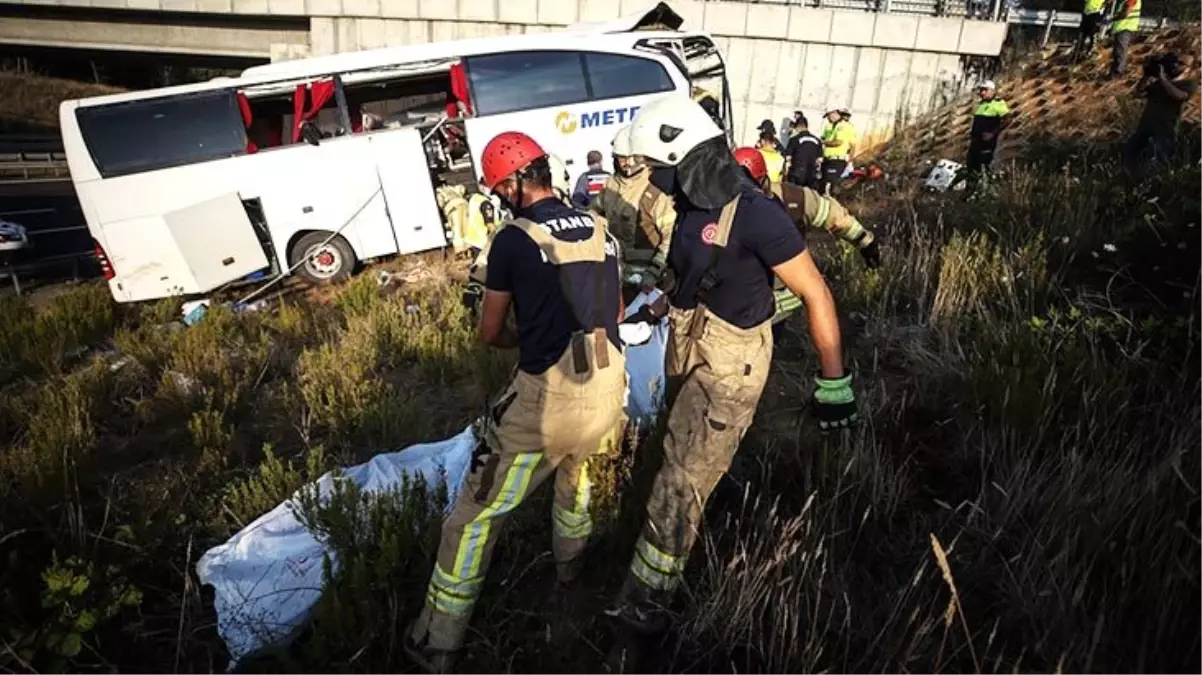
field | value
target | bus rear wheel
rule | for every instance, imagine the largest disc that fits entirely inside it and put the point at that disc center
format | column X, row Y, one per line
column 319, row 261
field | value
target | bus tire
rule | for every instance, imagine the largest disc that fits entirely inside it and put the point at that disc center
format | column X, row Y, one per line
column 320, row 262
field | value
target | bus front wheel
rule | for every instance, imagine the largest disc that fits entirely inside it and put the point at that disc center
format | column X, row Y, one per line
column 318, row 261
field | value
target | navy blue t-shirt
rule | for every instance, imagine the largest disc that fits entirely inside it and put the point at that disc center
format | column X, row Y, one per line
column 545, row 318
column 762, row 236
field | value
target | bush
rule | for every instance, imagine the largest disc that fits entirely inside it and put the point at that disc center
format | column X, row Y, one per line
column 40, row 341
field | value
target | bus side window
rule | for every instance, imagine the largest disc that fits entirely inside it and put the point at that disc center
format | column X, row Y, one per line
column 516, row 81
column 617, row 76
column 159, row 133
column 397, row 101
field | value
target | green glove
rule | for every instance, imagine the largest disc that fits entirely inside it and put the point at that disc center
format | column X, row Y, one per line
column 835, row 403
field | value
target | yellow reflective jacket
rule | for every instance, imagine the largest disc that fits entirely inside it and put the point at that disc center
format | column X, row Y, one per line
column 844, row 134
column 1126, row 16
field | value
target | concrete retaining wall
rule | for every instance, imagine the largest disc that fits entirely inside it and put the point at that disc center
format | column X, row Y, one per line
column 780, row 58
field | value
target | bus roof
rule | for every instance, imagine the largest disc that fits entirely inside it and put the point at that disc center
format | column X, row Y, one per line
column 434, row 51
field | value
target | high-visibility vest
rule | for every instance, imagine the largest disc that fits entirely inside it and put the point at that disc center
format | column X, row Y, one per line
column 1130, row 22
column 478, row 231
column 776, row 164
column 843, row 132
column 994, row 107
column 1094, row 6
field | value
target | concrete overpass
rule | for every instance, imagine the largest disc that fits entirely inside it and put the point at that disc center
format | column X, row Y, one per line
column 780, row 57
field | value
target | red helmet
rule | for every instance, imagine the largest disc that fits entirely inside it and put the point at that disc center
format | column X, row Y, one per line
column 752, row 160
column 506, row 154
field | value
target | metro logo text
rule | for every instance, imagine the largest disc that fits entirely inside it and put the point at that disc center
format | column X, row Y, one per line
column 567, row 123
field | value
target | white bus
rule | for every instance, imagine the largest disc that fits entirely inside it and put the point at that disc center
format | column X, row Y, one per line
column 319, row 164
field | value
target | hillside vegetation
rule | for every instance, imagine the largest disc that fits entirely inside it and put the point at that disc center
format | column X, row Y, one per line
column 1023, row 494
column 29, row 102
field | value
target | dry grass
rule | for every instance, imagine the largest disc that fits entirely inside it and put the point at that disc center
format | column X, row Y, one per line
column 30, row 102
column 1023, row 493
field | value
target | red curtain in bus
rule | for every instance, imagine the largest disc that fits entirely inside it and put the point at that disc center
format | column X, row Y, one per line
column 320, row 93
column 459, row 93
column 247, row 118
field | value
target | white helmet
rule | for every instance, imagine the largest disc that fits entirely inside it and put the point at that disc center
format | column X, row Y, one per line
column 560, row 180
column 987, row 84
column 621, row 144
column 667, row 128
column 837, row 107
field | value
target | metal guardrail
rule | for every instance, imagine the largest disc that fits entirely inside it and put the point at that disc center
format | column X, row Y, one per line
column 984, row 10
column 13, row 271
column 23, row 167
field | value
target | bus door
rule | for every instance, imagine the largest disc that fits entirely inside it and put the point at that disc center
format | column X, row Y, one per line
column 327, row 178
column 397, row 109
column 571, row 102
column 698, row 58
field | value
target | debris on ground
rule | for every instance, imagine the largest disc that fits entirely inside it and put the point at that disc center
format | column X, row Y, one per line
column 942, row 176
column 194, row 311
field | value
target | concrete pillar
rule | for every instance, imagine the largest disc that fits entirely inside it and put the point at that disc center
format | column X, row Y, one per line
column 250, row 7
column 557, row 12
column 396, row 32
column 938, row 34
column 815, row 71
column 371, row 33
column 895, row 31
column 478, row 10
column 923, row 68
column 892, row 92
column 398, row 9
column 518, row 11
column 691, row 11
column 347, row 33
column 768, row 21
column 765, row 59
column 599, row 10
column 788, row 82
column 738, row 67
column 323, row 39
column 842, row 79
column 289, row 7
column 867, row 78
column 363, row 8
column 853, row 28
column 810, row 25
column 726, row 18
column 323, row 7
column 438, row 10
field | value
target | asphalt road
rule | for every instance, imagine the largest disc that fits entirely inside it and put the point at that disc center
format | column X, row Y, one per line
column 52, row 217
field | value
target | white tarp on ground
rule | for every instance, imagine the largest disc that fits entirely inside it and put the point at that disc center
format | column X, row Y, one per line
column 268, row 577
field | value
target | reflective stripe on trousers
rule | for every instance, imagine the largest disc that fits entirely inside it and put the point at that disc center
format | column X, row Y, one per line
column 714, row 385
column 542, row 425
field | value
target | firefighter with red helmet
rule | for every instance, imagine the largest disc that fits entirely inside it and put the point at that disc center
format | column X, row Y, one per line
column 558, row 269
column 808, row 208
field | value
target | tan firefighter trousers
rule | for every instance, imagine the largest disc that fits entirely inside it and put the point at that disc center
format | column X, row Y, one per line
column 716, row 374
column 542, row 425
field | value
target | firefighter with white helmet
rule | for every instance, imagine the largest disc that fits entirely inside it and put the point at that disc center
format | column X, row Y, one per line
column 728, row 242
column 558, row 269
column 640, row 215
column 561, row 180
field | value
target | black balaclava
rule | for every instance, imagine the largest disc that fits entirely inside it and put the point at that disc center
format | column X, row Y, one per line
column 708, row 176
